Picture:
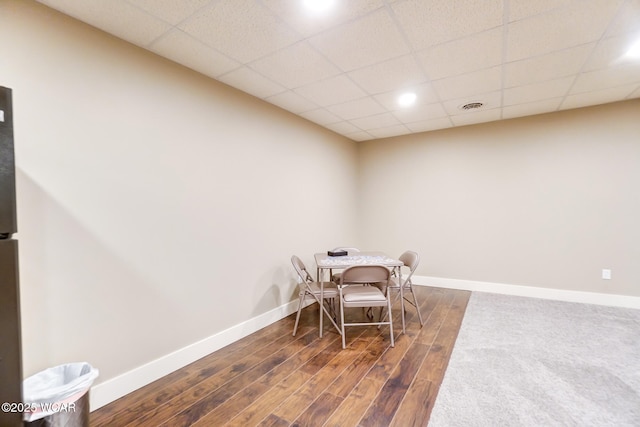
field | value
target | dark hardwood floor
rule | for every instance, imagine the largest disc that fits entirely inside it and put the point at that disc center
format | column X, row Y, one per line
column 271, row 378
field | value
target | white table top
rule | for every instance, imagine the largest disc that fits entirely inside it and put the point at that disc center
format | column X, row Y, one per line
column 356, row 258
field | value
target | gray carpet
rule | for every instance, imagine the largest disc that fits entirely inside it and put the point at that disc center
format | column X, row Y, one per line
column 533, row 362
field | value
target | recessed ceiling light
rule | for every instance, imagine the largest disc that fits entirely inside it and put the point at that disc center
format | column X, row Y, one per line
column 407, row 99
column 634, row 51
column 319, row 6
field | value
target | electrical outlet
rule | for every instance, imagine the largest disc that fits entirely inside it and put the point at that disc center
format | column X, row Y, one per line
column 606, row 274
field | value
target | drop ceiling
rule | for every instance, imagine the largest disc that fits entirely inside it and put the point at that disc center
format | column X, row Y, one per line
column 344, row 68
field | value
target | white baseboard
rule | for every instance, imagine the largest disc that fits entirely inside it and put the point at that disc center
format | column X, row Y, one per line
column 531, row 291
column 113, row 389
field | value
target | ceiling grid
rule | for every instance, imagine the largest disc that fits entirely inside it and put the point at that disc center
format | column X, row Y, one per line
column 344, row 68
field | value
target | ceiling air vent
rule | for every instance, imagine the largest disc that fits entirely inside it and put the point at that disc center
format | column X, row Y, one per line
column 471, row 106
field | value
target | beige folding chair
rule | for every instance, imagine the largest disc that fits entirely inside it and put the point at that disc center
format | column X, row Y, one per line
column 411, row 260
column 316, row 290
column 353, row 292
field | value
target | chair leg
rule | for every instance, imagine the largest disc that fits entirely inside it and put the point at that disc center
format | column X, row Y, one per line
column 416, row 305
column 295, row 327
column 390, row 322
column 344, row 344
column 387, row 289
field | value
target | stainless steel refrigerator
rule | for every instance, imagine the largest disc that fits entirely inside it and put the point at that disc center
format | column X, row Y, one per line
column 10, row 346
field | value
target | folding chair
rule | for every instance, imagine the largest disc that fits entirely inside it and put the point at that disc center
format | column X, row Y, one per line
column 410, row 260
column 316, row 290
column 354, row 292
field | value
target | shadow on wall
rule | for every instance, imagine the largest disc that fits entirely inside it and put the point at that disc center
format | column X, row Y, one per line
column 81, row 300
column 283, row 289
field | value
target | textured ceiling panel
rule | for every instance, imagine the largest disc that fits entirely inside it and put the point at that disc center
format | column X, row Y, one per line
column 345, row 67
column 184, row 49
column 296, row 65
column 530, row 109
column 390, row 75
column 469, row 84
column 357, row 108
column 242, row 29
column 582, row 22
column 431, row 22
column 171, row 11
column 291, row 101
column 335, row 90
column 247, row 79
column 117, row 17
column 598, row 97
column 546, row 67
column 464, row 55
column 537, row 91
column 373, row 39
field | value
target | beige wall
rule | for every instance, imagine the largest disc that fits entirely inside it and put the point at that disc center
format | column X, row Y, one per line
column 156, row 207
column 546, row 201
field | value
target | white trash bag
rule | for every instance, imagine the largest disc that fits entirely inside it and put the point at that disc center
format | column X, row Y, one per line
column 54, row 389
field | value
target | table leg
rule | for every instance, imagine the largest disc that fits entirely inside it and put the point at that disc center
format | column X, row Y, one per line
column 321, row 312
column 401, row 297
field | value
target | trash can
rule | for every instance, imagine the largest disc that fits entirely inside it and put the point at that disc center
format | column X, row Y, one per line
column 59, row 396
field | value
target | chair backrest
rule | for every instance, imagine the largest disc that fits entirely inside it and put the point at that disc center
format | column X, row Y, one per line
column 410, row 259
column 365, row 274
column 301, row 269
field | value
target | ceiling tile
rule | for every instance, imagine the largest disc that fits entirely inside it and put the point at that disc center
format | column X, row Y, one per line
column 482, row 50
column 308, row 23
column 422, row 112
column 427, row 125
column 552, row 31
column 627, row 19
column 376, row 121
column 607, row 78
column 334, row 90
column 242, row 29
column 368, row 40
column 390, row 75
column 520, row 9
column 598, row 97
column 321, row 116
column 343, row 128
column 291, row 101
column 469, row 84
column 295, row 65
column 477, row 117
column 357, row 108
column 183, row 49
column 610, row 52
column 531, row 108
column 115, row 17
column 428, row 23
column 546, row 67
column 537, row 91
column 251, row 82
column 171, row 11
column 386, row 132
column 359, row 136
